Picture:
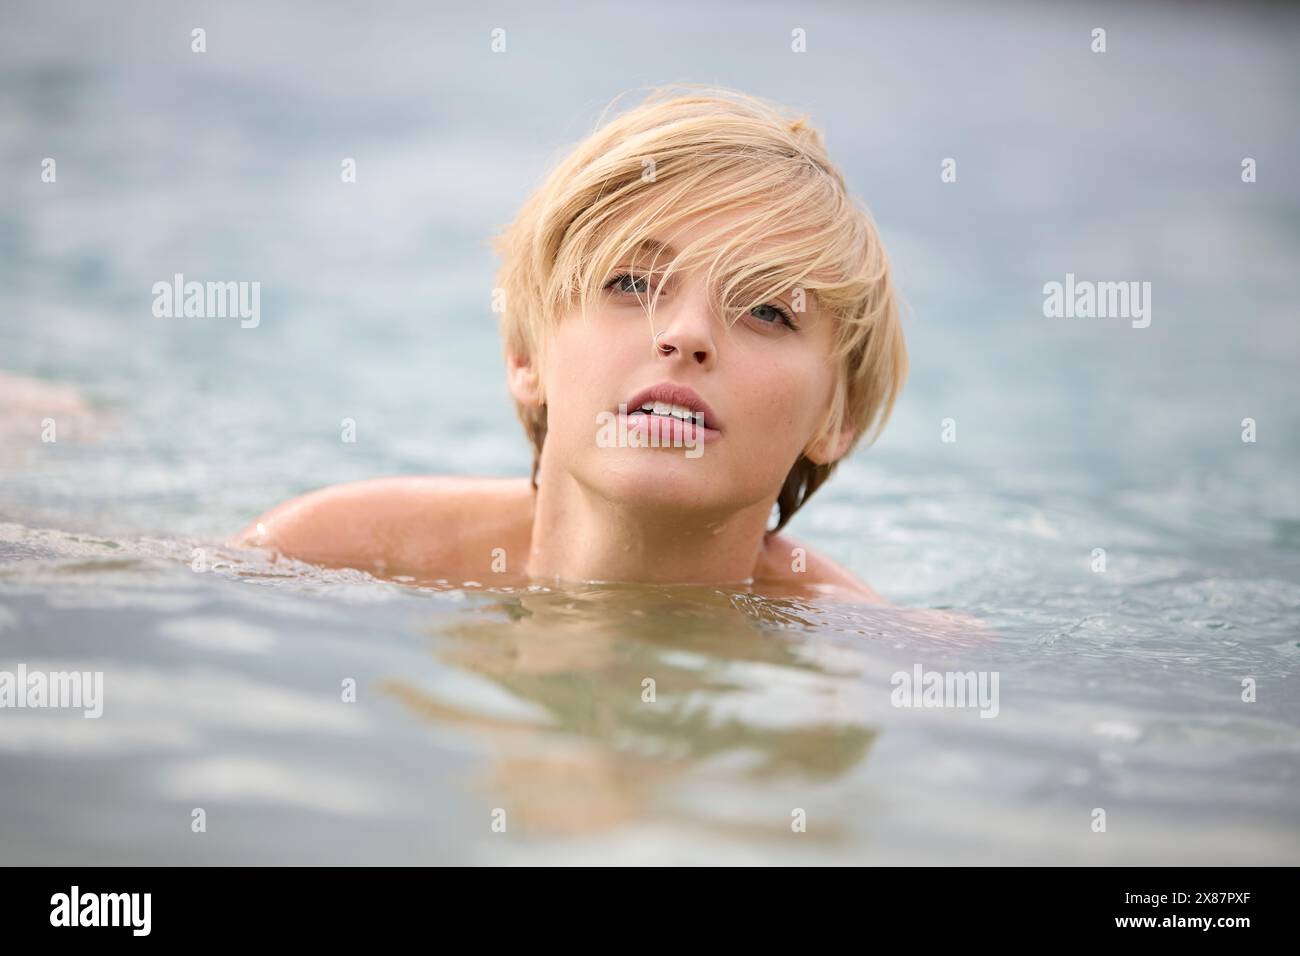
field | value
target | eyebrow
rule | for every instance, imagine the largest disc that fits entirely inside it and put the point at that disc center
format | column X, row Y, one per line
column 656, row 246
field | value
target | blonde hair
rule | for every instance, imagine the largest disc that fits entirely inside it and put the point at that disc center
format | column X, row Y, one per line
column 679, row 155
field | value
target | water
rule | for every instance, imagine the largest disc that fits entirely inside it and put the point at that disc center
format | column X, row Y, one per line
column 1119, row 690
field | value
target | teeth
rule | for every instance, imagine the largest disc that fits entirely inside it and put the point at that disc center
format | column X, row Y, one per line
column 667, row 409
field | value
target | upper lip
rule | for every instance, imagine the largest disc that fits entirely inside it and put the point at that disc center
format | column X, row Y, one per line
column 675, row 394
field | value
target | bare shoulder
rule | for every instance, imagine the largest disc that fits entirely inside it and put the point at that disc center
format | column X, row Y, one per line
column 787, row 563
column 427, row 524
column 779, row 569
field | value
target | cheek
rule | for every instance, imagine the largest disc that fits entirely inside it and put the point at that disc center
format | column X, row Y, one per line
column 582, row 372
column 788, row 394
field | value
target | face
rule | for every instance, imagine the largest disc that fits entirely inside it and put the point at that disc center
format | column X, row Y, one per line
column 764, row 383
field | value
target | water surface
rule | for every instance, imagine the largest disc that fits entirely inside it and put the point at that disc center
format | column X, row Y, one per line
column 1119, row 689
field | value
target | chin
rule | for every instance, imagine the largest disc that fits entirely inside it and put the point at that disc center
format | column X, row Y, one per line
column 659, row 477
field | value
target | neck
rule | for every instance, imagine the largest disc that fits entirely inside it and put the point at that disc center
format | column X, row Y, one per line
column 578, row 535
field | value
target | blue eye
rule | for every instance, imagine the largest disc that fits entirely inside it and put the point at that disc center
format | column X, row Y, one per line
column 620, row 283
column 770, row 314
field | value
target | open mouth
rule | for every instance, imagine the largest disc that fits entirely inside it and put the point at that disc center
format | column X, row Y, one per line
column 667, row 410
column 672, row 413
column 669, row 429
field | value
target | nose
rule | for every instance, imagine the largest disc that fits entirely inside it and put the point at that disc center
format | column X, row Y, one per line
column 689, row 333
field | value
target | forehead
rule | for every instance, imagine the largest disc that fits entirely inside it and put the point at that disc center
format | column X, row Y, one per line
column 712, row 231
column 757, row 246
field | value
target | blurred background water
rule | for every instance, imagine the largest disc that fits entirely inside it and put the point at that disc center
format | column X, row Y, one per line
column 1119, row 690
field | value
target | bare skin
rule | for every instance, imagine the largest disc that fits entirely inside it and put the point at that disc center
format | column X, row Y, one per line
column 620, row 512
column 449, row 527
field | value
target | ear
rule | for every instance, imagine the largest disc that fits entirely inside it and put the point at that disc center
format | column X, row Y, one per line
column 521, row 375
column 830, row 449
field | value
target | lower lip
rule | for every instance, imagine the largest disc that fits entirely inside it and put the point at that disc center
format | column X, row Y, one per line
column 669, row 431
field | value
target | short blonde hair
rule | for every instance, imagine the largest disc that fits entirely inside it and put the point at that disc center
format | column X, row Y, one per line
column 703, row 151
